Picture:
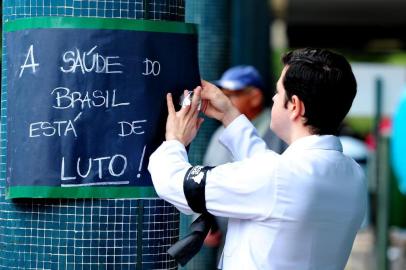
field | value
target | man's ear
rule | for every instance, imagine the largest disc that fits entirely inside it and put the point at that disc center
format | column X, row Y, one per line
column 297, row 108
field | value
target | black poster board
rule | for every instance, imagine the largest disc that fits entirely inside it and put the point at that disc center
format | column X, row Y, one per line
column 86, row 103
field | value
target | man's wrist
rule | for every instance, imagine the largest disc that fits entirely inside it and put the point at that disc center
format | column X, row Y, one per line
column 170, row 137
column 175, row 138
column 229, row 117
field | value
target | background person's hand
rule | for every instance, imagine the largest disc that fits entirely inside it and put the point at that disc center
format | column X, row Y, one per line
column 217, row 104
column 183, row 125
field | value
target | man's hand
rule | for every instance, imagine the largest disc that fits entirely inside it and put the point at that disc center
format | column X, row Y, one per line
column 184, row 124
column 213, row 239
column 217, row 105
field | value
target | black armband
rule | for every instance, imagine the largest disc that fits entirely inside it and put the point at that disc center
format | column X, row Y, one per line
column 194, row 188
column 194, row 185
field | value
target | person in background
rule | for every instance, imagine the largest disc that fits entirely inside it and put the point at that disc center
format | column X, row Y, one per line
column 244, row 86
column 298, row 210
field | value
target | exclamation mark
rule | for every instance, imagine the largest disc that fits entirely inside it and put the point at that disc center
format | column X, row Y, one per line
column 142, row 159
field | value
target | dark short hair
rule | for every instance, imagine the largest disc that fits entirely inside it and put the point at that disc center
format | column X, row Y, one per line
column 324, row 82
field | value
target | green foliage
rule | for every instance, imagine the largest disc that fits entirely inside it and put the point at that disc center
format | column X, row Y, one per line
column 395, row 58
column 361, row 125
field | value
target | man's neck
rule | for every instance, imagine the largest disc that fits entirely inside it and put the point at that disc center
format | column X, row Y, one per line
column 298, row 133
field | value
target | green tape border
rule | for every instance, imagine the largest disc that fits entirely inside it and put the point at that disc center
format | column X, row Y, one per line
column 100, row 23
column 105, row 192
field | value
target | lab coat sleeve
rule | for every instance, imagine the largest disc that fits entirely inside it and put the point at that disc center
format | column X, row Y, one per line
column 244, row 189
column 242, row 139
column 168, row 166
column 216, row 153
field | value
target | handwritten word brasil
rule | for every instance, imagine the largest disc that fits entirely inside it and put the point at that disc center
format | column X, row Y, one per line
column 66, row 99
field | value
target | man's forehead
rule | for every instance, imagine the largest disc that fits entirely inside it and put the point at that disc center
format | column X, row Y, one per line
column 284, row 70
column 283, row 73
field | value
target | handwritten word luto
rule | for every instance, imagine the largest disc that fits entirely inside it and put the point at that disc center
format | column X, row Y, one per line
column 115, row 166
column 90, row 61
column 66, row 99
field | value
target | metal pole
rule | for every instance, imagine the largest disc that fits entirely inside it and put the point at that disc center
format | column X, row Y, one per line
column 250, row 37
column 381, row 173
column 84, row 233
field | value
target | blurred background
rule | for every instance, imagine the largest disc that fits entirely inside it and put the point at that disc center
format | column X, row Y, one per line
column 370, row 33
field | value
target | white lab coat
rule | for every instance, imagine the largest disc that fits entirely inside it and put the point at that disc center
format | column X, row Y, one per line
column 217, row 154
column 300, row 210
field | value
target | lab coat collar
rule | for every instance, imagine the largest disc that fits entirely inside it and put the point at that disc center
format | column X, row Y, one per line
column 322, row 142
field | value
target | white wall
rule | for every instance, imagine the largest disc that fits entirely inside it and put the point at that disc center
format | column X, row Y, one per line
column 394, row 82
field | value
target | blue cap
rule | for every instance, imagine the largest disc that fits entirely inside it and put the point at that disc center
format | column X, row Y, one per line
column 240, row 77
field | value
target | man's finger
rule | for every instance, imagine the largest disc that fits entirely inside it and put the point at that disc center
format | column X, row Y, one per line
column 209, row 90
column 204, row 107
column 206, row 84
column 169, row 103
column 196, row 99
column 185, row 103
column 199, row 123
